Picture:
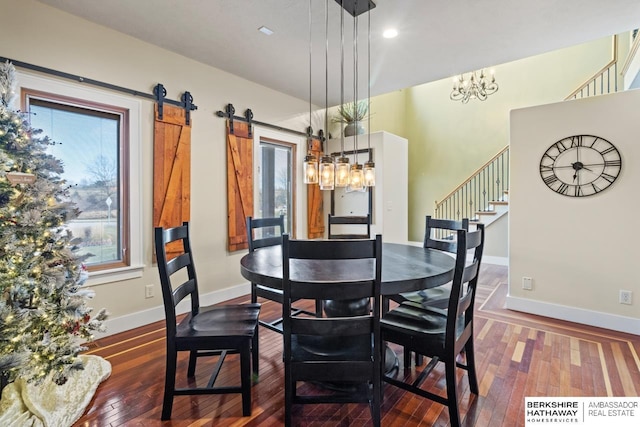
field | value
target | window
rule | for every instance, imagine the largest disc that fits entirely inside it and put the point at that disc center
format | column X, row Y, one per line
column 274, row 183
column 91, row 142
column 274, row 176
column 98, row 140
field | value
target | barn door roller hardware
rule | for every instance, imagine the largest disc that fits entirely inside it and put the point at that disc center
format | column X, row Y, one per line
column 186, row 102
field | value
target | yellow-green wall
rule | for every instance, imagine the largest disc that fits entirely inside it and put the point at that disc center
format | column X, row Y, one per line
column 449, row 140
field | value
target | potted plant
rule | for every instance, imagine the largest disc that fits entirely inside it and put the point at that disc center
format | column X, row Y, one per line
column 352, row 114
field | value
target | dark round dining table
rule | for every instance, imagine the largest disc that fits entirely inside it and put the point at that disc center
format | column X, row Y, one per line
column 405, row 268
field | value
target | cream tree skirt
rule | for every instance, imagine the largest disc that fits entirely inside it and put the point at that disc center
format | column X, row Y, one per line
column 51, row 405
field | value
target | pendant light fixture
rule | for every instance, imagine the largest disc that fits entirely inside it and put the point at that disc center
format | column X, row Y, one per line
column 342, row 163
column 369, row 166
column 327, row 167
column 356, row 174
column 310, row 165
column 329, row 173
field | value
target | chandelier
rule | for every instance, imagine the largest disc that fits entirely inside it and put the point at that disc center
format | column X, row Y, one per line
column 329, row 173
column 477, row 86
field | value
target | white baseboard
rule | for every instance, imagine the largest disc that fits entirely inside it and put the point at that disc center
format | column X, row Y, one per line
column 614, row 322
column 495, row 260
column 144, row 317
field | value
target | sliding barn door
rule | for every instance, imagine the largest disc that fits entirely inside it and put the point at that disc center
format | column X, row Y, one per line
column 239, row 184
column 171, row 171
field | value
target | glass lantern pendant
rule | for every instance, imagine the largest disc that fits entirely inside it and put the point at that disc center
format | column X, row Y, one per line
column 356, row 178
column 327, row 173
column 369, row 174
column 342, row 172
column 310, row 169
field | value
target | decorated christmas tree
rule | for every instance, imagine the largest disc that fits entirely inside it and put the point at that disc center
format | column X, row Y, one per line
column 44, row 319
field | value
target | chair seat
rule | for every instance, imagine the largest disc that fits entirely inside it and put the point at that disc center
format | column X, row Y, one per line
column 425, row 327
column 219, row 322
column 433, row 297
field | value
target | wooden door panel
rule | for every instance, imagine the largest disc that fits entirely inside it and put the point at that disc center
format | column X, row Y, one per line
column 171, row 171
column 239, row 184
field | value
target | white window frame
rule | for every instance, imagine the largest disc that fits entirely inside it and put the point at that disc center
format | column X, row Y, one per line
column 79, row 91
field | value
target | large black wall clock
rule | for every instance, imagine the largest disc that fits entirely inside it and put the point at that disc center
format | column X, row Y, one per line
column 580, row 165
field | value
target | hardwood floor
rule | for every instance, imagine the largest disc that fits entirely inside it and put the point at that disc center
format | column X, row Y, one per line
column 518, row 355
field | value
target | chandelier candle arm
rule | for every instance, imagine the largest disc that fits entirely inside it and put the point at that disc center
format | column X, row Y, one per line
column 477, row 86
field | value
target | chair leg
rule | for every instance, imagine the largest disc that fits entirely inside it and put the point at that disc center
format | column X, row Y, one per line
column 169, row 384
column 407, row 358
column 376, row 401
column 318, row 308
column 452, row 395
column 245, row 378
column 419, row 359
column 254, row 294
column 255, row 354
column 471, row 366
column 193, row 357
column 288, row 395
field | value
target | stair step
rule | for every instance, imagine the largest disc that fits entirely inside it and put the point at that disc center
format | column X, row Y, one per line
column 486, row 213
column 499, row 202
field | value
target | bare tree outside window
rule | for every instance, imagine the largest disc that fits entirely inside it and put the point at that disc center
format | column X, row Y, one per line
column 88, row 143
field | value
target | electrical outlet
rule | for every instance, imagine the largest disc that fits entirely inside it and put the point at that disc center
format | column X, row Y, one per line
column 148, row 291
column 625, row 297
column 527, row 283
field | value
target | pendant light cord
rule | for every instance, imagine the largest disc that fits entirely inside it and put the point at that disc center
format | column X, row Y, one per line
column 326, row 76
column 355, row 79
column 369, row 85
column 342, row 72
column 310, row 130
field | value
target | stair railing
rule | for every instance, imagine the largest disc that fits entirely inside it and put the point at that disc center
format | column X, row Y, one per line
column 604, row 81
column 488, row 183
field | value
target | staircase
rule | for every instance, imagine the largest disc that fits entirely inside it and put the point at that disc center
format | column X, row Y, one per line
column 483, row 197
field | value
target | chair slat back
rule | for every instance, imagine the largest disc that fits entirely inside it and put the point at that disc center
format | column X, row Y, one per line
column 462, row 298
column 346, row 222
column 440, row 233
column 173, row 293
column 340, row 257
column 271, row 230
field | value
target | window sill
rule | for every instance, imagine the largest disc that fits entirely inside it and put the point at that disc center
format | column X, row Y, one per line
column 114, row 275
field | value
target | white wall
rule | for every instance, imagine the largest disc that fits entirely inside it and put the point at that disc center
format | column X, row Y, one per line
column 579, row 251
column 390, row 194
column 35, row 33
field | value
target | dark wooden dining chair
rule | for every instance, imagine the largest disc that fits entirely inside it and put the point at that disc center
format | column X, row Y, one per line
column 205, row 331
column 344, row 351
column 348, row 222
column 261, row 233
column 439, row 334
column 438, row 234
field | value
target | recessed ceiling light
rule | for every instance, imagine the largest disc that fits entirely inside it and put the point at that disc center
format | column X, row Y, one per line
column 265, row 30
column 390, row 33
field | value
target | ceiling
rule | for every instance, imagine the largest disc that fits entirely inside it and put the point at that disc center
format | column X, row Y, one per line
column 437, row 38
